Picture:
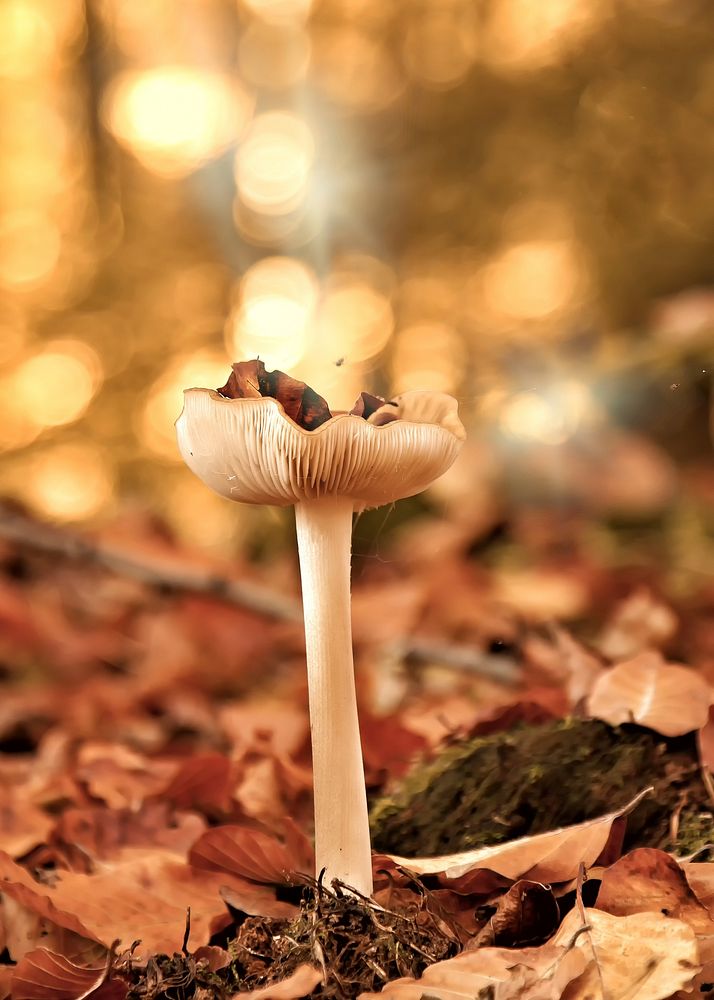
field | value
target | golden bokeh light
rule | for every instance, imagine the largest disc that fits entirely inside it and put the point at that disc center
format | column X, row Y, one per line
column 155, row 427
column 175, row 118
column 201, row 518
column 546, row 417
column 427, row 356
column 356, row 70
column 30, row 245
column 524, row 36
column 274, row 314
column 56, row 386
column 439, row 49
column 339, row 384
column 279, row 11
column 69, row 482
column 274, row 56
column 274, row 162
column 27, row 39
column 355, row 319
column 533, row 279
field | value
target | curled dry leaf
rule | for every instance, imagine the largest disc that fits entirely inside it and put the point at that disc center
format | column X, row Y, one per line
column 649, row 880
column 527, row 914
column 640, row 622
column 140, row 894
column 580, row 666
column 44, row 975
column 252, row 854
column 641, row 957
column 666, row 697
column 554, row 856
column 250, row 380
column 23, row 825
column 700, row 878
column 300, row 984
column 96, row 832
column 215, row 958
column 203, row 782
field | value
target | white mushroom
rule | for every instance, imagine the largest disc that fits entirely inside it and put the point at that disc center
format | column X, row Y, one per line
column 249, row 449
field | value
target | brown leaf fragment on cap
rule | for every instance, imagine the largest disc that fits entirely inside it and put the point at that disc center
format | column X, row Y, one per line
column 366, row 404
column 243, row 382
column 250, row 380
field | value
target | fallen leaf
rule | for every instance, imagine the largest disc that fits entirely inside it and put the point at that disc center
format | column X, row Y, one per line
column 581, row 667
column 142, row 894
column 22, row 825
column 640, row 622
column 554, row 856
column 526, row 914
column 644, row 956
column 641, row 957
column 666, row 697
column 493, row 973
column 250, row 380
column 299, row 984
column 650, row 880
column 44, row 975
column 203, row 782
column 252, row 854
column 700, row 877
column 100, row 833
column 215, row 958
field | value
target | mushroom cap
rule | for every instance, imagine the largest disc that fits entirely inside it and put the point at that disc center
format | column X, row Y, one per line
column 250, row 450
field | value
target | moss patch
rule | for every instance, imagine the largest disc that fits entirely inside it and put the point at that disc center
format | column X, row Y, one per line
column 535, row 778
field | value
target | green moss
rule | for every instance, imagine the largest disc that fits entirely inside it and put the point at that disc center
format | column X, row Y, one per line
column 534, row 778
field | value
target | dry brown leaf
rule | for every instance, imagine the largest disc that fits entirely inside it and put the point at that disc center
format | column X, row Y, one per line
column 700, row 877
column 22, row 825
column 526, row 914
column 215, row 958
column 142, row 894
column 203, row 782
column 666, row 697
column 649, row 880
column 644, row 956
column 554, row 856
column 6, row 972
column 641, row 957
column 252, row 854
column 44, row 975
column 640, row 622
column 497, row 973
column 300, row 984
column 281, row 725
column 581, row 667
column 100, row 833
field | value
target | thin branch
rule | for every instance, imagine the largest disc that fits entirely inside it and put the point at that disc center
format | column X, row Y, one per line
column 150, row 569
column 167, row 573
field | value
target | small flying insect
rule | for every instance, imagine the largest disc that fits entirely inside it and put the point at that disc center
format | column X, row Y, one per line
column 339, row 363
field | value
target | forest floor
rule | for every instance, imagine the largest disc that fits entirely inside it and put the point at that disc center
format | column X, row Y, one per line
column 538, row 751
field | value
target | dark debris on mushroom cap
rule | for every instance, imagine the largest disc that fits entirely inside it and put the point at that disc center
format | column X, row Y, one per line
column 250, row 380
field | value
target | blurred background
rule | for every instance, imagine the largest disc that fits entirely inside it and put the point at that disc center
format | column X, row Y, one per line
column 508, row 200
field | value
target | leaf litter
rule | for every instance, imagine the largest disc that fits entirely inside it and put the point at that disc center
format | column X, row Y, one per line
column 138, row 785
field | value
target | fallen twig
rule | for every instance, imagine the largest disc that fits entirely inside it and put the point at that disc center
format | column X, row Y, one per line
column 153, row 570
column 170, row 574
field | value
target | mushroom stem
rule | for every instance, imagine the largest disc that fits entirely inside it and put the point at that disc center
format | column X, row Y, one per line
column 342, row 846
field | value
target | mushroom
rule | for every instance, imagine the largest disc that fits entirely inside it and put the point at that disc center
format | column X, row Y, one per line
column 265, row 438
